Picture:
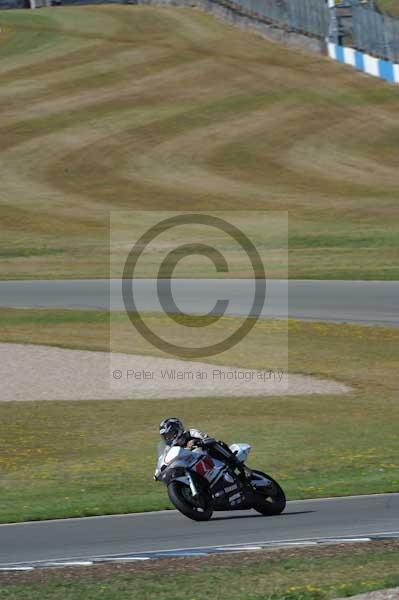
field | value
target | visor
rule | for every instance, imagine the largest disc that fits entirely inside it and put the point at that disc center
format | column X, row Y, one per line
column 169, row 436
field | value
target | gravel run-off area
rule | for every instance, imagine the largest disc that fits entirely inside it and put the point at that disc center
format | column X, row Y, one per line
column 33, row 372
column 390, row 594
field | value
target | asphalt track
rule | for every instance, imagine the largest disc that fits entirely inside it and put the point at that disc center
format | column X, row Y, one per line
column 137, row 534
column 369, row 302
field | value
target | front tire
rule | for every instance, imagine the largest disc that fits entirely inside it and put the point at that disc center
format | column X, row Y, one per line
column 270, row 501
column 197, row 509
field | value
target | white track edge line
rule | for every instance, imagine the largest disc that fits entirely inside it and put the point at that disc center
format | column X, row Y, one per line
column 263, row 543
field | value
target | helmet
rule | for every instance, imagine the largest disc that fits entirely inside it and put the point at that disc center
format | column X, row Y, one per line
column 170, row 429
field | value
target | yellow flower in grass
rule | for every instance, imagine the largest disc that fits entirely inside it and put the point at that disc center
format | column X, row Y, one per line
column 312, row 588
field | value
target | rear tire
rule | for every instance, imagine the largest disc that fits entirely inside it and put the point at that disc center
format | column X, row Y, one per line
column 272, row 500
column 200, row 509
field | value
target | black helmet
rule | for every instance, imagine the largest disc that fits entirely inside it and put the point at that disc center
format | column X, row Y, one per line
column 170, row 429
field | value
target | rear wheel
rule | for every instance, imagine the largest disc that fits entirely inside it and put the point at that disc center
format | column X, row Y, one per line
column 271, row 499
column 198, row 508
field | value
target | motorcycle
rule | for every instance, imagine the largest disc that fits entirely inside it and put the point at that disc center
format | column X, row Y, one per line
column 199, row 484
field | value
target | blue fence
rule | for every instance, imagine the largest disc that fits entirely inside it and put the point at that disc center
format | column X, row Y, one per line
column 306, row 16
column 12, row 4
column 375, row 32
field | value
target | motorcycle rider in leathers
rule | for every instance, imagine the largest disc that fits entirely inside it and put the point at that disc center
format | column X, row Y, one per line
column 173, row 432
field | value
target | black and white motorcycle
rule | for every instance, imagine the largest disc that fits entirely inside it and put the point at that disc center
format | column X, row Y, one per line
column 199, row 484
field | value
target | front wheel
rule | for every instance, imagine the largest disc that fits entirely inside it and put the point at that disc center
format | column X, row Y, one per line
column 270, row 500
column 195, row 508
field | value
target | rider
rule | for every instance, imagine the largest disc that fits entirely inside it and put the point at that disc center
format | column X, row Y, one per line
column 173, row 432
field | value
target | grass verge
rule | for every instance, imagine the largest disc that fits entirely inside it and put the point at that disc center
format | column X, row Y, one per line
column 137, row 107
column 84, row 458
column 306, row 574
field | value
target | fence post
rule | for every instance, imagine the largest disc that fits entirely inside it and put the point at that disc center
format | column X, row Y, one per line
column 333, row 23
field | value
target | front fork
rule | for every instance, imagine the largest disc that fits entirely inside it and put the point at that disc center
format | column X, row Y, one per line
column 188, row 480
column 193, row 489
